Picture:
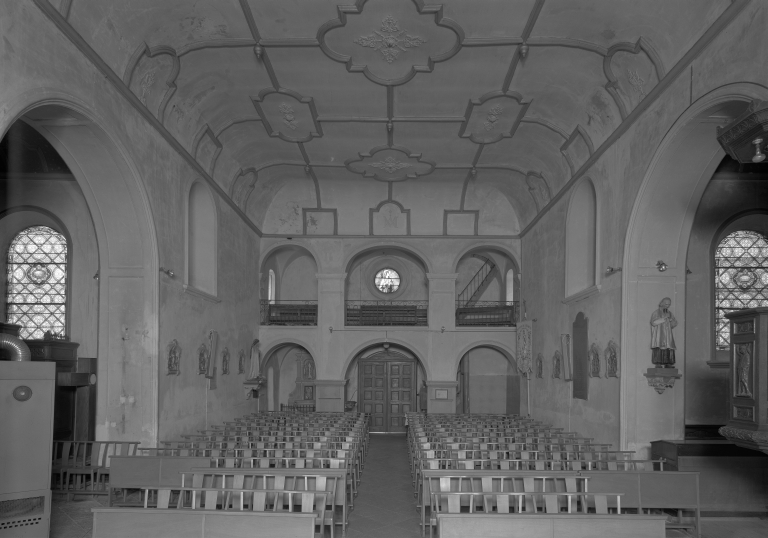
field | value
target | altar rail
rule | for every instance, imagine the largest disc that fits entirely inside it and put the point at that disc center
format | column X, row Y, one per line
column 386, row 313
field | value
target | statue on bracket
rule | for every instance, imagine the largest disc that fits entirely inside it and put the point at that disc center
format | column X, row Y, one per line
column 540, row 366
column 255, row 370
column 174, row 357
column 309, row 369
column 662, row 340
column 225, row 361
column 203, row 355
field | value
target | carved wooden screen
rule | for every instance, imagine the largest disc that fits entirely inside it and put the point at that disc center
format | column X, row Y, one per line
column 741, row 278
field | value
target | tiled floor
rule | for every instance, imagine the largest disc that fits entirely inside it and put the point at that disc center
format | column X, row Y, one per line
column 384, row 507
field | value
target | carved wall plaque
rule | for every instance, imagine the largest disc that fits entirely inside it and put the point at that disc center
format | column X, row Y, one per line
column 744, row 413
column 742, row 377
column 594, row 361
column 744, row 327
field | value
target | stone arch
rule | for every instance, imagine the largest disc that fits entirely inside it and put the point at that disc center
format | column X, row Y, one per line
column 350, row 257
column 127, row 253
column 296, row 244
column 271, row 347
column 514, row 256
column 420, row 357
column 498, row 346
column 664, row 210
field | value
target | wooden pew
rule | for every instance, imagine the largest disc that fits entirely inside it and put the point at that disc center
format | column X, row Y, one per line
column 550, row 526
column 668, row 490
column 136, row 472
column 159, row 523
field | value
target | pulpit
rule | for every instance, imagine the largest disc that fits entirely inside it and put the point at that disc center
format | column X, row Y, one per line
column 748, row 406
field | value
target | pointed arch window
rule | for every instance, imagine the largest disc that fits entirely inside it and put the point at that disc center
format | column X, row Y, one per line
column 741, row 278
column 37, row 282
column 581, row 240
column 271, row 290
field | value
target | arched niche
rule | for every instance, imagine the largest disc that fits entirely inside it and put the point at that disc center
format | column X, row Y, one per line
column 362, row 269
column 293, row 377
column 581, row 240
column 295, row 269
column 505, row 273
column 127, row 269
column 390, row 376
column 488, row 382
column 659, row 230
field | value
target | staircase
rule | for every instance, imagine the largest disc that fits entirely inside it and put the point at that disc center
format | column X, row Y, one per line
column 478, row 283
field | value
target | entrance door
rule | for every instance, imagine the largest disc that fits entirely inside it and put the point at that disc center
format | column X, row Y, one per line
column 387, row 392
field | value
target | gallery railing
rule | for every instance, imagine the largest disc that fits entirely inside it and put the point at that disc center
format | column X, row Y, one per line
column 487, row 313
column 288, row 312
column 298, row 408
column 386, row 313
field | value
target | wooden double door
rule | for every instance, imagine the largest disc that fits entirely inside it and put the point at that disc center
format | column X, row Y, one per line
column 387, row 392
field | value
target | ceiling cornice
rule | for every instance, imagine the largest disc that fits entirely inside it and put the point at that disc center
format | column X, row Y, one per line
column 730, row 13
column 77, row 40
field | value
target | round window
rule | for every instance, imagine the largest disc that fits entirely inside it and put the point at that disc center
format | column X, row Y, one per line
column 387, row 280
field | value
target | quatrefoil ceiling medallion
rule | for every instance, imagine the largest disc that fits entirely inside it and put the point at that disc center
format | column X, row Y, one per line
column 390, row 40
column 494, row 116
column 394, row 163
column 288, row 115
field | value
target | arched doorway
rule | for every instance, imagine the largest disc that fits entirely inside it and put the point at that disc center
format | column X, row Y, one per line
column 488, row 382
column 291, row 378
column 386, row 379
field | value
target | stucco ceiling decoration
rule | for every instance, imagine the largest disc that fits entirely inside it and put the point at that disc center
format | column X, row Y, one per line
column 288, row 115
column 394, row 163
column 390, row 42
column 494, row 116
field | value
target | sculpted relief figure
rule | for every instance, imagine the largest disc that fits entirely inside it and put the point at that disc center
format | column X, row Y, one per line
column 662, row 340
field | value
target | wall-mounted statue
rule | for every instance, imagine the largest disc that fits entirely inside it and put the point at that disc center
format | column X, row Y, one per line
column 255, row 370
column 174, row 357
column 557, row 361
column 540, row 366
column 309, row 369
column 225, row 361
column 612, row 359
column 662, row 340
column 241, row 362
column 594, row 361
column 202, row 359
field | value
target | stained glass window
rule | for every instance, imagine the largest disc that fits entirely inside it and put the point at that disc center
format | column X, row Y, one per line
column 741, row 278
column 37, row 282
column 387, row 281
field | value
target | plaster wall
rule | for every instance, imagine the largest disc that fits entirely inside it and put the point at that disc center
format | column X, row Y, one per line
column 489, row 372
column 132, row 178
column 65, row 201
column 706, row 385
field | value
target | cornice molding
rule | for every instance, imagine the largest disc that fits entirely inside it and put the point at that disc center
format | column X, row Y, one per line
column 725, row 18
column 82, row 45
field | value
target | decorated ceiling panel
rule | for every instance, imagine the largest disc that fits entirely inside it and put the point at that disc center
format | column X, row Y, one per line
column 472, row 115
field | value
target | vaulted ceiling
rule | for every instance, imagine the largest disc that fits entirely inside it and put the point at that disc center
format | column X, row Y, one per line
column 372, row 98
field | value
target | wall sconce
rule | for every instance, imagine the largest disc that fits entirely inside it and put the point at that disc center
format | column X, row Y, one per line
column 759, row 156
column 167, row 272
column 610, row 270
column 661, row 266
column 442, row 329
column 743, row 138
column 330, row 329
column 96, row 276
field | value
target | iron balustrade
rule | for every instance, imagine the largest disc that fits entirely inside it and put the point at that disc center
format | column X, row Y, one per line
column 387, row 313
column 487, row 313
column 298, row 408
column 288, row 312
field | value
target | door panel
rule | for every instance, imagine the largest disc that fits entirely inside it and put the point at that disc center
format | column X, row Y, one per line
column 387, row 392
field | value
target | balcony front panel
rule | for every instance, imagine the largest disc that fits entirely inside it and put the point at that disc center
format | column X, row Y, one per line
column 288, row 312
column 487, row 313
column 386, row 313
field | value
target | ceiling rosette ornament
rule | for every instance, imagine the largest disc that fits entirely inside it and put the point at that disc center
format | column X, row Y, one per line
column 390, row 41
column 494, row 116
column 390, row 163
column 288, row 115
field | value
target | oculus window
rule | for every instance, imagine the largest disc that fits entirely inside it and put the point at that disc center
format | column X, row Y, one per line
column 37, row 282
column 387, row 280
column 741, row 278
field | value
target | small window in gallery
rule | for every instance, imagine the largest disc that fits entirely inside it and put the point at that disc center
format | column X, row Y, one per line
column 741, row 278
column 37, row 282
column 387, row 281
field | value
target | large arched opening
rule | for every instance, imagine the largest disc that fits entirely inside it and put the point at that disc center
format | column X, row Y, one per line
column 655, row 256
column 120, row 263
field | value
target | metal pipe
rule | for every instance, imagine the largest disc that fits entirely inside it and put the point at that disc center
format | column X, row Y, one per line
column 19, row 350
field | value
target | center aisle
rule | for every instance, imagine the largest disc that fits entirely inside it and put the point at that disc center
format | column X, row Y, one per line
column 385, row 505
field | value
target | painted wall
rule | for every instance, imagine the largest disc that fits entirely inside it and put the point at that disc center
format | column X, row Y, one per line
column 487, row 378
column 725, row 198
